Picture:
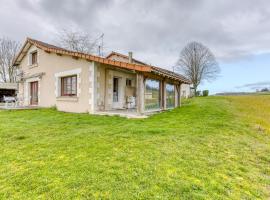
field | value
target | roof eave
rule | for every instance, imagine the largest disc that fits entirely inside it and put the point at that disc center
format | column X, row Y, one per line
column 171, row 76
column 130, row 66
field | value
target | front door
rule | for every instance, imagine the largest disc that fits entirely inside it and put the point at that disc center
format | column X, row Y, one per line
column 34, row 93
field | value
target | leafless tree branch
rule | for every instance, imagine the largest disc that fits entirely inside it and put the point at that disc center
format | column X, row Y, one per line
column 198, row 63
column 77, row 41
column 8, row 51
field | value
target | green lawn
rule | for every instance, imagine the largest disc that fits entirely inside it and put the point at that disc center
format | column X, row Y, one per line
column 211, row 148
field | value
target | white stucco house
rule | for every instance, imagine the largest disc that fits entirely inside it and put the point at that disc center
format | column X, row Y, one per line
column 77, row 82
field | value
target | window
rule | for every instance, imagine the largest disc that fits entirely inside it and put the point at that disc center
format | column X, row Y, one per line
column 128, row 82
column 152, row 94
column 69, row 86
column 170, row 96
column 33, row 58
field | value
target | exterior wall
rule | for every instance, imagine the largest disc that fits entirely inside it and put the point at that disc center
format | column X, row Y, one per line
column 51, row 64
column 94, row 83
column 105, row 87
column 185, row 91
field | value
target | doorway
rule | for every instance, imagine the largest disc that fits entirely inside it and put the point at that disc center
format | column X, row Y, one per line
column 34, row 93
column 115, row 89
column 117, row 92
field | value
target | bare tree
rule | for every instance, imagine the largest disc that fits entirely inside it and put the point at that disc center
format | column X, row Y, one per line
column 77, row 41
column 198, row 63
column 8, row 51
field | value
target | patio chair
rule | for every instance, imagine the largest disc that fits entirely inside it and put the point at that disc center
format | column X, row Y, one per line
column 9, row 101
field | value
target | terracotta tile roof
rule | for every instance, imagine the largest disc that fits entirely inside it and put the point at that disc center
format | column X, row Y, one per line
column 157, row 70
column 162, row 71
column 125, row 65
column 54, row 49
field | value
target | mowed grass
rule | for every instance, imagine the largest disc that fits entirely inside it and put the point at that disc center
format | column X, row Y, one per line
column 211, row 148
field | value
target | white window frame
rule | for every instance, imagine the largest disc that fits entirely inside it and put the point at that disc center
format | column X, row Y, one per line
column 30, row 57
column 58, row 77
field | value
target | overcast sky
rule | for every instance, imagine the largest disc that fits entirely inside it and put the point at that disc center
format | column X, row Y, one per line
column 237, row 32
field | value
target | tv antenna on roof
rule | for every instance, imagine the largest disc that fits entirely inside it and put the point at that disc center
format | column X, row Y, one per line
column 101, row 46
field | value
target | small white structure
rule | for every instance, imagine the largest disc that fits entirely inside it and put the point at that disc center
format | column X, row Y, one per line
column 186, row 90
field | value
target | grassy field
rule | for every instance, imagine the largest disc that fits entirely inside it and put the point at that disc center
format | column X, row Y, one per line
column 211, row 148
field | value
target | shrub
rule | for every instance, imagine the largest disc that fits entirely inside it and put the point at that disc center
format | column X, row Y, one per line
column 205, row 93
column 265, row 90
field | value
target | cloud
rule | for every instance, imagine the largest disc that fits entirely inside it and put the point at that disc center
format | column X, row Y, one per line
column 257, row 85
column 156, row 30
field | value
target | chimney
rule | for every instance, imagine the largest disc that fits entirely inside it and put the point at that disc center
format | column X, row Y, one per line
column 130, row 60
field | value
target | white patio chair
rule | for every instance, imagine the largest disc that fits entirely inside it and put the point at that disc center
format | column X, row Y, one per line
column 9, row 101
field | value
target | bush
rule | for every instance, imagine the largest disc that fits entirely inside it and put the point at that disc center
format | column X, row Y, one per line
column 265, row 90
column 205, row 93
